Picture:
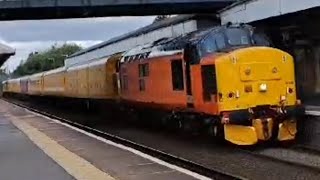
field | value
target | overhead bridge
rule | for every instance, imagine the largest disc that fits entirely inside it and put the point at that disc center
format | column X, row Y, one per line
column 57, row 9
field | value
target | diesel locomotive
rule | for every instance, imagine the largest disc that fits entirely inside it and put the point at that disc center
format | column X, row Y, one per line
column 226, row 80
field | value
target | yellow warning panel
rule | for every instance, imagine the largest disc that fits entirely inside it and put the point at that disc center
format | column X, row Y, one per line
column 287, row 130
column 240, row 135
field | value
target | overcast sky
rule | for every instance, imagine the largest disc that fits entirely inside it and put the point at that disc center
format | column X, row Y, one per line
column 29, row 36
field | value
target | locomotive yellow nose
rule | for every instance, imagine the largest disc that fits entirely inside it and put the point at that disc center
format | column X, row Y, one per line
column 260, row 75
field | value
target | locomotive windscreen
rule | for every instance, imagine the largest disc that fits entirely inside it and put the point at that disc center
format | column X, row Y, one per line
column 237, row 36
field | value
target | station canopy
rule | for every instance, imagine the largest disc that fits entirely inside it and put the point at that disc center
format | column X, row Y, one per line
column 5, row 53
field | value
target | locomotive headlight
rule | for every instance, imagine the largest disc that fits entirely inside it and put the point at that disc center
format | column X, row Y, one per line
column 263, row 87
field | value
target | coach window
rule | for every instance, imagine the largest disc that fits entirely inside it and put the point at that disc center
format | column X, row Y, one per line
column 143, row 70
column 177, row 75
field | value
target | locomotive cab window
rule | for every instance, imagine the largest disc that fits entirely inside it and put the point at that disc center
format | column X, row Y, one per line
column 224, row 40
column 220, row 41
column 143, row 70
column 208, row 45
column 261, row 39
column 238, row 37
column 177, row 75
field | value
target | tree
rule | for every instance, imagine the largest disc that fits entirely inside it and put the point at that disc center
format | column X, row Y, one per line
column 47, row 60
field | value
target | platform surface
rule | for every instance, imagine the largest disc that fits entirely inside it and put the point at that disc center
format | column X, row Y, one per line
column 313, row 110
column 21, row 159
column 36, row 147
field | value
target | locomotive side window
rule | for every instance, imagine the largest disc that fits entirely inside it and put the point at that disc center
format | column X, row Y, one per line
column 143, row 70
column 177, row 75
column 208, row 74
column 220, row 40
column 142, row 85
column 124, row 82
column 261, row 39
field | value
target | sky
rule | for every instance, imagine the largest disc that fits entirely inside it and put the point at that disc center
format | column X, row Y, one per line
column 39, row 35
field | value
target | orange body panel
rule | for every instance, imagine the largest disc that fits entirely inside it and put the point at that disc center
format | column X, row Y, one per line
column 159, row 87
column 209, row 107
column 158, row 84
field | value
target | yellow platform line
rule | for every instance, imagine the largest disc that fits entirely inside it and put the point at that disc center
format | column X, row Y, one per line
column 76, row 166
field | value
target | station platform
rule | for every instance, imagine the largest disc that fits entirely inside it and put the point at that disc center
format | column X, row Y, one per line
column 36, row 147
column 21, row 159
column 313, row 110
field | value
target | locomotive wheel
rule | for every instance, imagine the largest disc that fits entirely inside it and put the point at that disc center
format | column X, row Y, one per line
column 217, row 132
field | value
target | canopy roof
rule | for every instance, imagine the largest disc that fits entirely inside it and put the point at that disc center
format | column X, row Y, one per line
column 5, row 53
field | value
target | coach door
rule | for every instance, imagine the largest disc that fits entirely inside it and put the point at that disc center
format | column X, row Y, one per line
column 24, row 85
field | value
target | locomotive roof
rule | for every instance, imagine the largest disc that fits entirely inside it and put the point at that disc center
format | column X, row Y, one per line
column 144, row 30
column 169, row 46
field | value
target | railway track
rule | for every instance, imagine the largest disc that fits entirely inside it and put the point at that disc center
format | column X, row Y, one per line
column 298, row 156
column 307, row 148
column 179, row 161
column 199, row 166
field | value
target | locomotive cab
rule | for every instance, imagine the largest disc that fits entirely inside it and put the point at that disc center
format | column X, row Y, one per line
column 247, row 84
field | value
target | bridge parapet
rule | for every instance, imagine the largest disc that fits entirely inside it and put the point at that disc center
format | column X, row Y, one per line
column 54, row 9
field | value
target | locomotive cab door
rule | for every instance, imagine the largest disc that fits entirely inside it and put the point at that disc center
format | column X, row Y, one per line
column 190, row 57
